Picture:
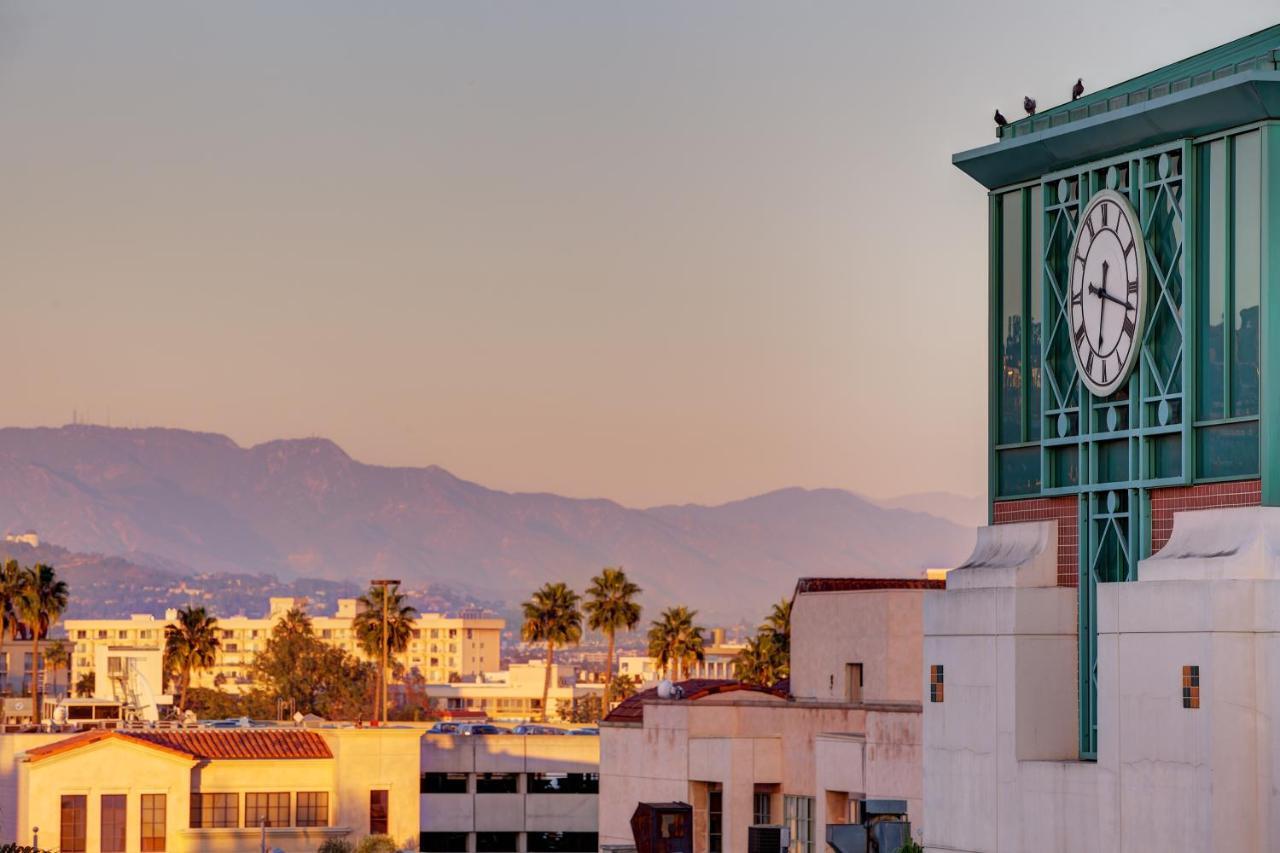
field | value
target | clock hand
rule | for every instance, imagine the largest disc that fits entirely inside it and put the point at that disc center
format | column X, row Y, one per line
column 1100, row 292
column 1102, row 306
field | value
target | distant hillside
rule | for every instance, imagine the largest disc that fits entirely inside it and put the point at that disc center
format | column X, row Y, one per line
column 965, row 511
column 305, row 508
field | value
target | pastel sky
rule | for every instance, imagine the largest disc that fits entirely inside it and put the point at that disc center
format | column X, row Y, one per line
column 657, row 252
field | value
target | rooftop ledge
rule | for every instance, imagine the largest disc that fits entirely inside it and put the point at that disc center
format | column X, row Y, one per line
column 1233, row 101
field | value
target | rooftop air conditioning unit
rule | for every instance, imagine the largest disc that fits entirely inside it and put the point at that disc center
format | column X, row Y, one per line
column 847, row 837
column 768, row 838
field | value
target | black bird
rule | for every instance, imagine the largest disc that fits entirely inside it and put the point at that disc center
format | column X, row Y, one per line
column 1078, row 89
column 1029, row 104
column 1001, row 121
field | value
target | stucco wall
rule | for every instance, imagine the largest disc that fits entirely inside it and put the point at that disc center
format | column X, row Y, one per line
column 880, row 629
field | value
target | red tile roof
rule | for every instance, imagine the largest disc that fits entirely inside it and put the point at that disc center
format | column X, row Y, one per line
column 631, row 709
column 205, row 745
column 861, row 584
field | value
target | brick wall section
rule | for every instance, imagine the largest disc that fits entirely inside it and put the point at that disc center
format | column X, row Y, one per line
column 1062, row 510
column 1165, row 502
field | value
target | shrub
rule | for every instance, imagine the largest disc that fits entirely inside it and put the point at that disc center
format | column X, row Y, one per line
column 336, row 845
column 376, row 844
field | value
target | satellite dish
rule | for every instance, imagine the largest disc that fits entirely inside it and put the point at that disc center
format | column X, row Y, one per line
column 19, row 704
column 60, row 714
column 666, row 690
column 189, row 717
column 147, row 709
column 297, row 717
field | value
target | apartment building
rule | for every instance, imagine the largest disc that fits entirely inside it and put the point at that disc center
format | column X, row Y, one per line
column 718, row 657
column 442, row 648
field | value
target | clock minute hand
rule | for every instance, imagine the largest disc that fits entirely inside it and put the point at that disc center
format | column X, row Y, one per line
column 1105, row 295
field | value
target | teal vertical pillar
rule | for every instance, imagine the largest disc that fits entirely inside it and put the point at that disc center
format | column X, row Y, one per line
column 1269, row 354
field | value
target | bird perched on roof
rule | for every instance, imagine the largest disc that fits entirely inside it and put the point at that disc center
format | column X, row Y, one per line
column 1078, row 89
column 1001, row 121
column 1029, row 104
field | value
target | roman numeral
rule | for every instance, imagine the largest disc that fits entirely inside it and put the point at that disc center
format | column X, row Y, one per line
column 1088, row 365
column 1129, row 328
column 1129, row 248
column 1104, row 207
column 1104, row 370
column 1077, row 298
column 1080, row 334
column 1133, row 287
column 1088, row 223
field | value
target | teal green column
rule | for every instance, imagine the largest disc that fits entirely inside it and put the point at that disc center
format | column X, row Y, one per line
column 1269, row 346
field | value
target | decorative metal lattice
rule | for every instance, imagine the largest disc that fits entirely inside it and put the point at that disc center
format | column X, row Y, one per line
column 1110, row 452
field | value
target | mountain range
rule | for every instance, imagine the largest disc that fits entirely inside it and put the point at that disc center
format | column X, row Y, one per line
column 198, row 502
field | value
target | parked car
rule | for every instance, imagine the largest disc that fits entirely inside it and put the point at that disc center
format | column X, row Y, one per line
column 586, row 730
column 481, row 729
column 535, row 729
column 443, row 729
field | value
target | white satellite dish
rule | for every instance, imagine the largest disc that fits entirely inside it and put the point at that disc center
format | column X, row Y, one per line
column 19, row 704
column 666, row 690
column 147, row 709
column 60, row 714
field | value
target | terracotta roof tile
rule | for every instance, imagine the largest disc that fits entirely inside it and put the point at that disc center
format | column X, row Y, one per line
column 861, row 584
column 205, row 745
column 631, row 709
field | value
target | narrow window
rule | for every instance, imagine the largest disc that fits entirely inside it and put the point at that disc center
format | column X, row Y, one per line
column 935, row 683
column 378, row 807
column 797, row 813
column 313, row 808
column 853, row 682
column 215, row 811
column 153, row 822
column 761, row 808
column 72, row 824
column 715, row 819
column 496, row 842
column 1191, row 687
column 114, row 823
column 496, row 783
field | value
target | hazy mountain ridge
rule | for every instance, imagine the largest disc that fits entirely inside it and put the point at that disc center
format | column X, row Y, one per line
column 305, row 507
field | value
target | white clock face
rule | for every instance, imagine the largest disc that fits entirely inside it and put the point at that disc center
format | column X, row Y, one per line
column 1108, row 292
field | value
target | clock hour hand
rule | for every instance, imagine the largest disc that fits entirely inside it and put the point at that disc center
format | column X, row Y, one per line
column 1098, row 291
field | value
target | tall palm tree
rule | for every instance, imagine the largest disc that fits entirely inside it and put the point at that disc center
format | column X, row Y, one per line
column 57, row 655
column 551, row 616
column 10, row 589
column 611, row 607
column 294, row 621
column 675, row 642
column 190, row 644
column 41, row 602
column 368, row 628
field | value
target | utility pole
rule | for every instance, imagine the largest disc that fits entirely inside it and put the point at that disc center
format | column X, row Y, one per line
column 387, row 586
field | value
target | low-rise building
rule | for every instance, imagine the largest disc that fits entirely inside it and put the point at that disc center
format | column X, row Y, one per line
column 845, row 729
column 718, row 658
column 442, row 648
column 202, row 790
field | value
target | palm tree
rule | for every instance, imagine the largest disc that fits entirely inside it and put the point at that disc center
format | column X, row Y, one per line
column 762, row 661
column 40, row 604
column 675, row 642
column 778, row 622
column 294, row 621
column 10, row 589
column 610, row 608
column 190, row 644
column 85, row 684
column 57, row 655
column 551, row 616
column 368, row 628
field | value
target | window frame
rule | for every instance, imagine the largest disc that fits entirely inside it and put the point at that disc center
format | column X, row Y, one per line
column 304, row 813
column 147, row 818
column 379, row 811
column 75, row 806
column 268, row 803
column 118, row 812
column 221, row 807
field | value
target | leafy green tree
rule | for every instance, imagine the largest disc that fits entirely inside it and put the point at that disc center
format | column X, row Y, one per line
column 57, row 655
column 582, row 709
column 377, row 844
column 40, row 604
column 190, row 644
column 10, row 588
column 336, row 845
column 551, row 616
column 611, row 607
column 625, row 686
column 369, row 628
column 778, row 623
column 675, row 642
column 210, row 704
column 310, row 676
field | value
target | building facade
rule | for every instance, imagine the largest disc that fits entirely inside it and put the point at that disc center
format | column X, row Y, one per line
column 515, row 693
column 1100, row 668
column 442, row 648
column 847, row 729
column 188, row 790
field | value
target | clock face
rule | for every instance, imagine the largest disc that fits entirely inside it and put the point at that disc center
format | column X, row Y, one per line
column 1108, row 292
